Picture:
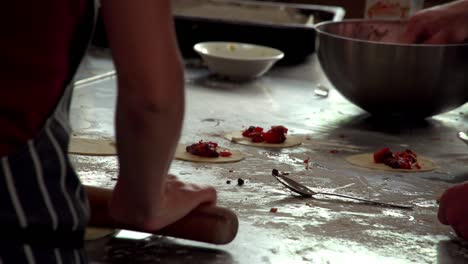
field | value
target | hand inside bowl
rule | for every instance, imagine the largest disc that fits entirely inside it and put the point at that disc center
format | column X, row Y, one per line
column 379, row 32
column 444, row 24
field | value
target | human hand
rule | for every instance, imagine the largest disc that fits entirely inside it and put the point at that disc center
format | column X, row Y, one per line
column 453, row 209
column 177, row 200
column 444, row 24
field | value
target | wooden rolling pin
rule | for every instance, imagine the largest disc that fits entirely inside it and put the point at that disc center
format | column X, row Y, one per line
column 216, row 225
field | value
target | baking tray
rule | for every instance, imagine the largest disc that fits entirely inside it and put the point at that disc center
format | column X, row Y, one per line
column 287, row 27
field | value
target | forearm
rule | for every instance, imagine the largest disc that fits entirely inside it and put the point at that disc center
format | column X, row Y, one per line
column 150, row 101
column 146, row 142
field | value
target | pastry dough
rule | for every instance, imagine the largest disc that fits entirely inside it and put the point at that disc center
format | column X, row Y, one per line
column 367, row 161
column 291, row 141
column 92, row 147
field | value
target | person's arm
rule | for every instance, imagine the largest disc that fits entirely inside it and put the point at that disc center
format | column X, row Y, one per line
column 444, row 24
column 453, row 209
column 150, row 107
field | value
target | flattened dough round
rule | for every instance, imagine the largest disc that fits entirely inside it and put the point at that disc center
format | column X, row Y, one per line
column 92, row 147
column 182, row 154
column 291, row 141
column 94, row 233
column 367, row 161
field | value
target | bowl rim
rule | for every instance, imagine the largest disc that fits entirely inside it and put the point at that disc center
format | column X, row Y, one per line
column 323, row 24
column 278, row 56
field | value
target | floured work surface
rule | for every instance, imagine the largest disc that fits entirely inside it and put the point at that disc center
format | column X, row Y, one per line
column 93, row 147
column 316, row 230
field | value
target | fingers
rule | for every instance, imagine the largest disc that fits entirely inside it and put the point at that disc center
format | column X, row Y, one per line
column 171, row 177
column 415, row 30
column 211, row 194
column 447, row 36
column 461, row 230
column 460, row 35
column 204, row 195
column 209, row 204
column 442, row 214
column 442, row 37
column 418, row 33
column 193, row 193
column 440, row 25
column 453, row 209
column 417, row 27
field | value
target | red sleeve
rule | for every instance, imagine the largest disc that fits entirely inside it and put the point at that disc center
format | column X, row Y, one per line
column 34, row 64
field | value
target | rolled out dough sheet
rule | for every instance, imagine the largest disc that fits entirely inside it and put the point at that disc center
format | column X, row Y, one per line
column 291, row 141
column 92, row 147
column 367, row 161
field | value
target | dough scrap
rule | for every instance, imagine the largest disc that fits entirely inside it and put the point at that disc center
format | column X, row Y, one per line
column 182, row 154
column 92, row 147
column 291, row 141
column 367, row 161
column 94, row 233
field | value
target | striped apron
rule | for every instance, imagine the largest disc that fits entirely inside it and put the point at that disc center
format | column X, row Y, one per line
column 43, row 207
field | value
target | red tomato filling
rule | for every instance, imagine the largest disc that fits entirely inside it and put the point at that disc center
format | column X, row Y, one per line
column 276, row 135
column 399, row 160
column 225, row 153
column 203, row 149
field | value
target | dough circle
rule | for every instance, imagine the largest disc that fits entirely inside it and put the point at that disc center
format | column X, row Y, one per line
column 92, row 147
column 291, row 141
column 367, row 161
column 182, row 154
column 94, row 233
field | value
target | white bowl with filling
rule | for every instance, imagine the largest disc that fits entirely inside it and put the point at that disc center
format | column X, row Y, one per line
column 238, row 61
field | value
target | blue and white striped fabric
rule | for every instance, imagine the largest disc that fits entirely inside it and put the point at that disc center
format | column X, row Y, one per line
column 43, row 207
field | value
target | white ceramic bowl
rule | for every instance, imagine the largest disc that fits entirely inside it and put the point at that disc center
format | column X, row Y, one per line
column 238, row 61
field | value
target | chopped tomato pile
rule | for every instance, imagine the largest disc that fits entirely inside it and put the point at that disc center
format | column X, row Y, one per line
column 398, row 160
column 276, row 135
column 207, row 149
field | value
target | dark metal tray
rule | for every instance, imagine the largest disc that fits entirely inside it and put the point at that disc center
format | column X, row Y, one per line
column 288, row 27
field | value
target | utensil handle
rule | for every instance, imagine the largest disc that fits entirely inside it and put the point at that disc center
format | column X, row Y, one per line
column 400, row 206
column 209, row 224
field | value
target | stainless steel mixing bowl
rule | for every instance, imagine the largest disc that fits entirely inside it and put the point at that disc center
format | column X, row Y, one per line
column 365, row 63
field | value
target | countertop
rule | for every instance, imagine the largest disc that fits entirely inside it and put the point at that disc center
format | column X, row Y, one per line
column 319, row 230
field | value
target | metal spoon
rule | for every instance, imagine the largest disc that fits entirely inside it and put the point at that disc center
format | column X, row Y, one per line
column 463, row 137
column 306, row 192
